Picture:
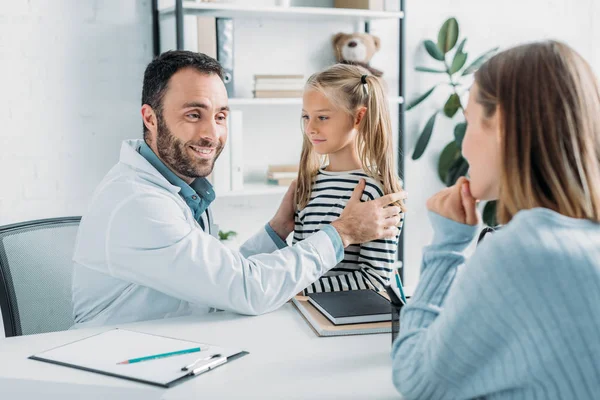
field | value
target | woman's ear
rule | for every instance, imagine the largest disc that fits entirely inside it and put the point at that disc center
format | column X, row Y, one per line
column 497, row 124
column 359, row 115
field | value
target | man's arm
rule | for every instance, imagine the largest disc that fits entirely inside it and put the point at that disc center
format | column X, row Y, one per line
column 149, row 242
column 272, row 237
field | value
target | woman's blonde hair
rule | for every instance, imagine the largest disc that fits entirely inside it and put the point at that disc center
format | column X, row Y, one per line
column 343, row 85
column 548, row 100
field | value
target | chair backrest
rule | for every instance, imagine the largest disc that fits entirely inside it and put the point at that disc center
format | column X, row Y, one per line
column 35, row 275
column 488, row 230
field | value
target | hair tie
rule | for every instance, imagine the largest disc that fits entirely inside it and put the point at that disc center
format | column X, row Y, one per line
column 363, row 79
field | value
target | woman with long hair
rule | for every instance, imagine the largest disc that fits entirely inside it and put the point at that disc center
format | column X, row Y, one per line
column 520, row 318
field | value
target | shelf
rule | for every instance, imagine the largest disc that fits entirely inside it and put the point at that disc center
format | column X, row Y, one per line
column 239, row 11
column 255, row 189
column 250, row 101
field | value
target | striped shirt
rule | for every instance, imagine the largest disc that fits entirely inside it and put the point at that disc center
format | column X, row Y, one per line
column 365, row 266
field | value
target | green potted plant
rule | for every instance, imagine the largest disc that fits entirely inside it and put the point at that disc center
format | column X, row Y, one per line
column 451, row 164
column 228, row 239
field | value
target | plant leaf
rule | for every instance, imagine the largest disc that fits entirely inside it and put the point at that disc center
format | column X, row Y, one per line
column 452, row 105
column 424, row 138
column 458, row 62
column 459, row 168
column 448, row 35
column 425, row 69
column 419, row 99
column 461, row 47
column 479, row 61
column 459, row 133
column 449, row 155
column 433, row 50
column 489, row 214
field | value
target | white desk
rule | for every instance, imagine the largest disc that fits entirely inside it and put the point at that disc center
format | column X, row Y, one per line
column 286, row 361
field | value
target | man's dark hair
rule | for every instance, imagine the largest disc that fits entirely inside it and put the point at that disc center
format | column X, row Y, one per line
column 163, row 67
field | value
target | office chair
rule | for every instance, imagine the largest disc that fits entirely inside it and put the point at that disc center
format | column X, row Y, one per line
column 35, row 275
column 487, row 231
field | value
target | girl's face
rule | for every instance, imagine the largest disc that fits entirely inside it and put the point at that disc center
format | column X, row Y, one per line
column 329, row 128
column 481, row 148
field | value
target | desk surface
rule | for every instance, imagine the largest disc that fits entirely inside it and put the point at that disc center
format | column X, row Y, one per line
column 286, row 361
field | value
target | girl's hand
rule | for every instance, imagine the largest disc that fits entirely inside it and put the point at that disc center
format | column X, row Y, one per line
column 455, row 203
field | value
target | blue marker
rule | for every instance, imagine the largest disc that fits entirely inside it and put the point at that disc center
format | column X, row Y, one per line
column 400, row 287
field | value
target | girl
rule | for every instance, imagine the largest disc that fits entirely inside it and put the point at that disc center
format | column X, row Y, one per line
column 521, row 320
column 347, row 137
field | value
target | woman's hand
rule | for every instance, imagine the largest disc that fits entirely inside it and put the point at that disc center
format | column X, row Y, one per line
column 455, row 203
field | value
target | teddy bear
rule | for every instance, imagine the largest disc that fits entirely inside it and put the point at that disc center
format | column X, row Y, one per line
column 356, row 48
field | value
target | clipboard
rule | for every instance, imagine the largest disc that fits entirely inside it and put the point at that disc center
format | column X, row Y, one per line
column 101, row 353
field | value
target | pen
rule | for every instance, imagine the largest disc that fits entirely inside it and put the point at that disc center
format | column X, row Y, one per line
column 400, row 287
column 209, row 366
column 198, row 360
column 162, row 355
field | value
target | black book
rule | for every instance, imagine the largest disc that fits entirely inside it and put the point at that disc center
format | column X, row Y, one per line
column 352, row 307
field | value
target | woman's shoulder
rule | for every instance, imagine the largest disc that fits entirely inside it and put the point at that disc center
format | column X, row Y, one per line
column 540, row 239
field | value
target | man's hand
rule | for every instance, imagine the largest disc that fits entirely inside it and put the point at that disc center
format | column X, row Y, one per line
column 283, row 221
column 455, row 203
column 364, row 222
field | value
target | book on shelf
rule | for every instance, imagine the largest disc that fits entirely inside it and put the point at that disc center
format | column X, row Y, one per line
column 265, row 94
column 282, row 175
column 215, row 39
column 280, row 182
column 275, row 76
column 292, row 86
column 236, row 137
column 275, row 168
column 207, row 36
column 221, row 174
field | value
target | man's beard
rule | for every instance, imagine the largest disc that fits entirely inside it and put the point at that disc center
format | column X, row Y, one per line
column 174, row 153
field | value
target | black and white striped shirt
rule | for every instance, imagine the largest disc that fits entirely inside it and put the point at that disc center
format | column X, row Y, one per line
column 365, row 266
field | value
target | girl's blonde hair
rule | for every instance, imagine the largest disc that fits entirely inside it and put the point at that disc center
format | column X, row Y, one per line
column 548, row 101
column 343, row 85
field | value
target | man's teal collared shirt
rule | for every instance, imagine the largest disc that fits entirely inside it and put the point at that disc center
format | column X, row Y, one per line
column 198, row 195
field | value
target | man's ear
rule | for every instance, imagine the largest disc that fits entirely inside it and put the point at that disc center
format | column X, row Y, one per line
column 359, row 115
column 149, row 118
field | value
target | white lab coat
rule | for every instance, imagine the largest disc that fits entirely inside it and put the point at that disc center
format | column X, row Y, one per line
column 140, row 254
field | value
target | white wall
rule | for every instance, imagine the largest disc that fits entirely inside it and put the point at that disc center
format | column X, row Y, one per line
column 71, row 74
column 70, row 78
column 486, row 24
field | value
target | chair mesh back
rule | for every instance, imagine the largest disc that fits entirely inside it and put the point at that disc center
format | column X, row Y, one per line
column 39, row 265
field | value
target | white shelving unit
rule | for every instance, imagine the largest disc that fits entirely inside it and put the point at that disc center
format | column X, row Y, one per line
column 247, row 11
column 250, row 101
column 359, row 18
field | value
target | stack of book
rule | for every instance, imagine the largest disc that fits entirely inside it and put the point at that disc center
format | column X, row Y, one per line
column 282, row 175
column 278, row 86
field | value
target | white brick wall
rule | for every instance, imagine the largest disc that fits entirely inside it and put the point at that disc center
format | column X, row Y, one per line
column 70, row 73
column 70, row 88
